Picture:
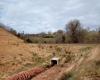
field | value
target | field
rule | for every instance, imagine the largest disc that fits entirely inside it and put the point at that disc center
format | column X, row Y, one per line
column 77, row 61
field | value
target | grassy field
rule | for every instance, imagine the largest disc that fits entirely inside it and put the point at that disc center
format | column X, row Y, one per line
column 17, row 56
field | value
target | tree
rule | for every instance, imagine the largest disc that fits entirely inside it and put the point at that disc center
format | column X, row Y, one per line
column 60, row 37
column 13, row 31
column 98, row 36
column 75, row 31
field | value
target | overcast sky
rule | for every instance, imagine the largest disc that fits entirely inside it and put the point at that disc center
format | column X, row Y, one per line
column 34, row 16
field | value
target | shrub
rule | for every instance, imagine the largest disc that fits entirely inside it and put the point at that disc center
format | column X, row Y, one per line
column 58, row 49
column 37, row 59
column 97, row 63
column 28, row 41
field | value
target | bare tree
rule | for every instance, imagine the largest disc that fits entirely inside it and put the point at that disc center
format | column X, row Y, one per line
column 74, row 31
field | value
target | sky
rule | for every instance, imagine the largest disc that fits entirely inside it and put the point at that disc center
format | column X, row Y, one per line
column 35, row 16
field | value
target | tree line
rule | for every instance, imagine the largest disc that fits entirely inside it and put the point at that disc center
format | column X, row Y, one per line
column 73, row 33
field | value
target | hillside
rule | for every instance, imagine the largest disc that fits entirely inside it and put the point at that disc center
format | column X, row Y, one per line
column 13, row 55
column 8, row 38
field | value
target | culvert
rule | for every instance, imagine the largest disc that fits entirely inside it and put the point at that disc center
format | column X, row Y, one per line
column 54, row 61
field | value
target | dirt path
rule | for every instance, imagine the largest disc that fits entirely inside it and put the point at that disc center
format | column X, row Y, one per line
column 56, row 72
column 50, row 74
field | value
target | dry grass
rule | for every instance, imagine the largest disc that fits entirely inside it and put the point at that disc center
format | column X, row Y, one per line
column 89, row 68
column 16, row 56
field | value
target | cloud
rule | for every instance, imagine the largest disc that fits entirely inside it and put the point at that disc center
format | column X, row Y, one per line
column 33, row 16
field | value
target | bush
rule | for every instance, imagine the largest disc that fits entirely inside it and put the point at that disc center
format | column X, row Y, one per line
column 97, row 63
column 37, row 59
column 28, row 41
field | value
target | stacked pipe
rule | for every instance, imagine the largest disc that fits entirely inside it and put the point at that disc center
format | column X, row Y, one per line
column 27, row 75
